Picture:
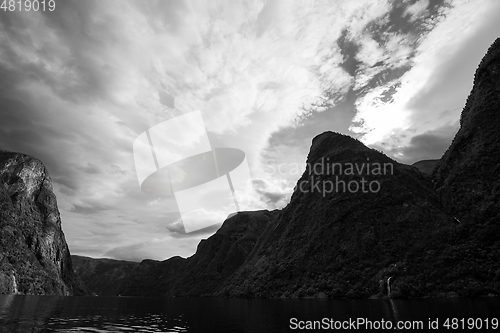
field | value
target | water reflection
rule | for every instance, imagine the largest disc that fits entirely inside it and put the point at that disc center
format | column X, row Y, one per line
column 124, row 314
column 86, row 314
column 5, row 302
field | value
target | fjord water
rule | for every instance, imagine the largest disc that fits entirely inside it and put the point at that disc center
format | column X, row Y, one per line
column 129, row 314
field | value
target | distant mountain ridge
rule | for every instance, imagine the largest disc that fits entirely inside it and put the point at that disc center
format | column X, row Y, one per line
column 102, row 276
column 199, row 275
column 427, row 167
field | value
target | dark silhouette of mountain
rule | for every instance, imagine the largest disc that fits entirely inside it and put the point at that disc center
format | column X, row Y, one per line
column 467, row 180
column 222, row 254
column 154, row 278
column 216, row 258
column 103, row 277
column 349, row 242
column 467, row 177
column 427, row 167
column 34, row 256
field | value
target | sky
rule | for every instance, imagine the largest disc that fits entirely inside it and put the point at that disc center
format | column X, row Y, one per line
column 79, row 85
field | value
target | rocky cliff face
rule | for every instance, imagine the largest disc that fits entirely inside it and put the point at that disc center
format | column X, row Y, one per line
column 34, row 256
column 467, row 177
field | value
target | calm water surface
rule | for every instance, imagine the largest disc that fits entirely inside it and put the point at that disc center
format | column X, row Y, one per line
column 127, row 314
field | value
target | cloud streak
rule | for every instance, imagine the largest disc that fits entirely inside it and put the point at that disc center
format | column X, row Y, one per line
column 79, row 84
column 433, row 89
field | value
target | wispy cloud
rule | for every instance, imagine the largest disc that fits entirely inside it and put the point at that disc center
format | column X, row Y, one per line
column 79, row 84
column 432, row 92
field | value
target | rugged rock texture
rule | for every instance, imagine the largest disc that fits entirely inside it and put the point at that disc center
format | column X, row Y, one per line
column 103, row 277
column 34, row 256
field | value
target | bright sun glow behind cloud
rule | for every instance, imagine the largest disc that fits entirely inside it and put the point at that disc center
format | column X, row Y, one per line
column 381, row 120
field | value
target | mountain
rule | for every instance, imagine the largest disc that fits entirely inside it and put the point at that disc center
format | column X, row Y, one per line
column 467, row 177
column 359, row 224
column 418, row 236
column 427, row 167
column 347, row 242
column 34, row 256
column 103, row 277
column 216, row 258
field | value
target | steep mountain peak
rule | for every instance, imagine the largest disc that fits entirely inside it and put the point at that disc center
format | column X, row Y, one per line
column 245, row 222
column 28, row 181
column 354, row 212
column 493, row 53
column 478, row 113
column 331, row 143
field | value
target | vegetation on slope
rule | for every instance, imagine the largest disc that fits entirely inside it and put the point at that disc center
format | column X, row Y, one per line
column 34, row 256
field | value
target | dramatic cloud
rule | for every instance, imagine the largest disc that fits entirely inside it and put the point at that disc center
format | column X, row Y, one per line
column 432, row 92
column 78, row 85
column 426, row 146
